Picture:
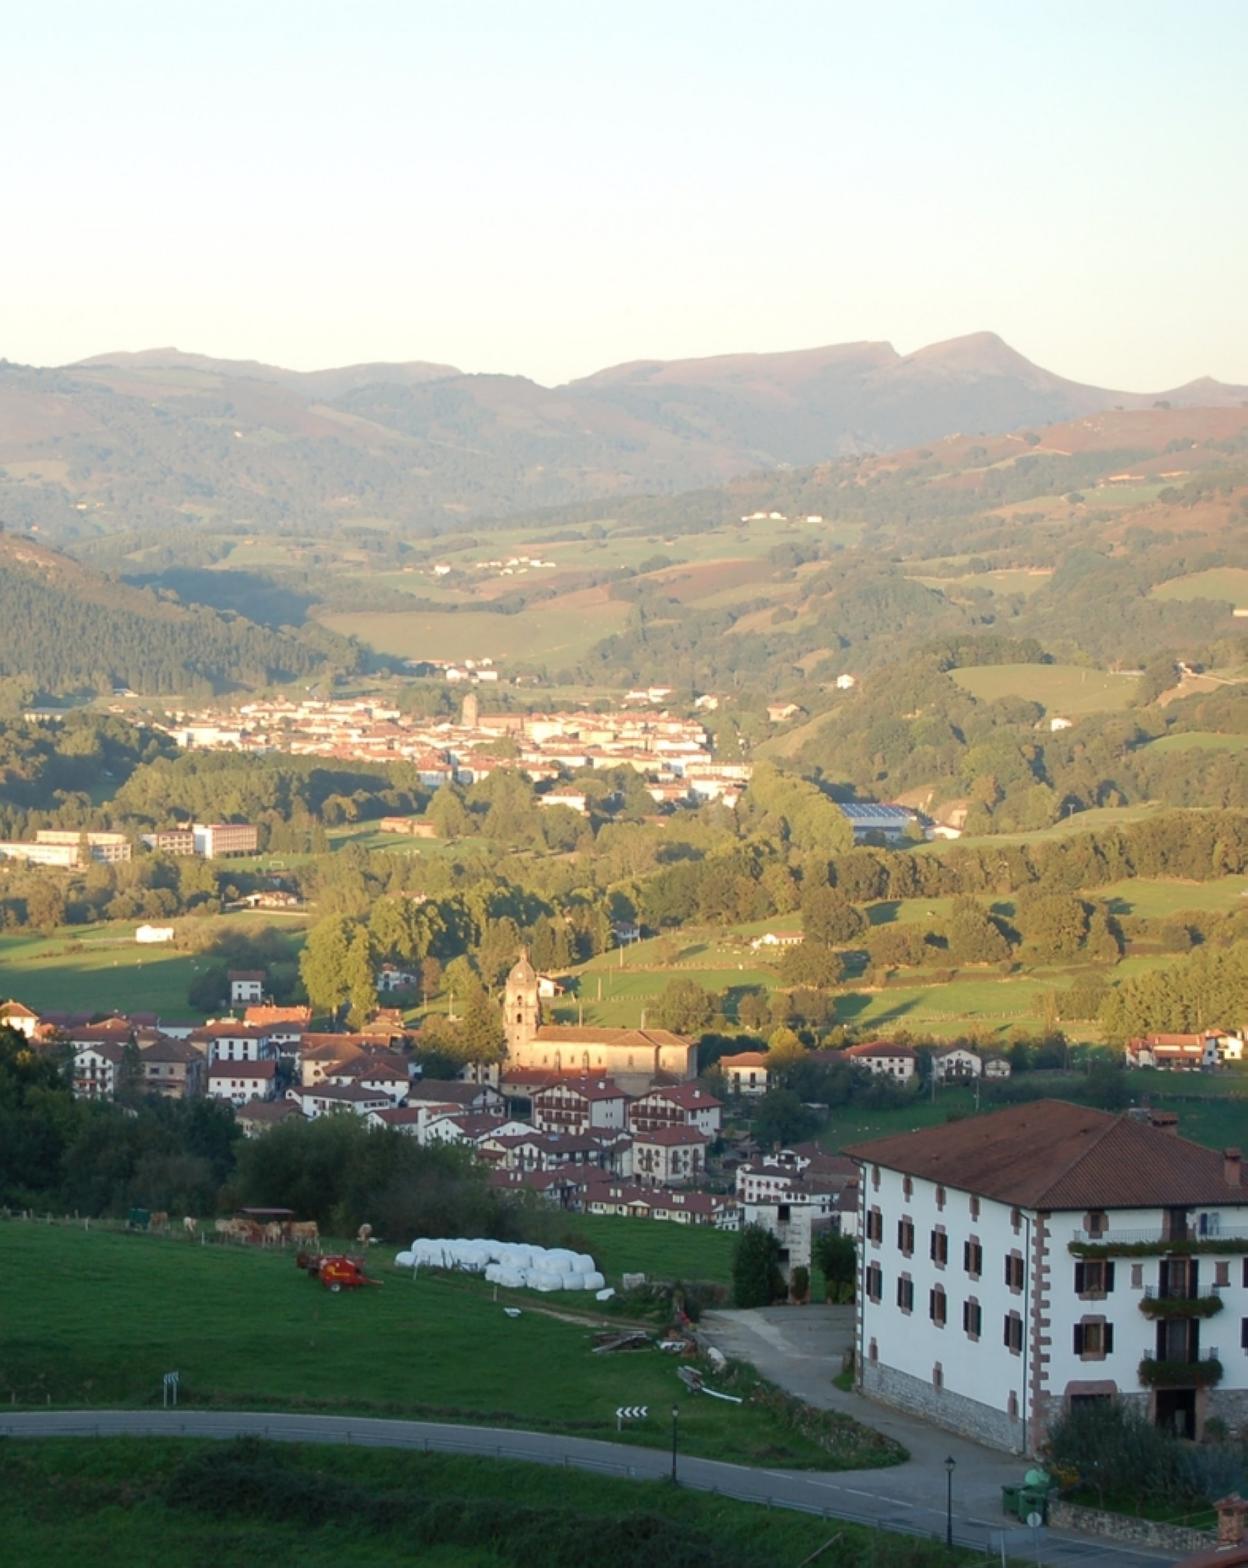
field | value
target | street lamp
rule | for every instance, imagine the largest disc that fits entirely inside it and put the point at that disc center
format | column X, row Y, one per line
column 950, row 1466
column 675, row 1430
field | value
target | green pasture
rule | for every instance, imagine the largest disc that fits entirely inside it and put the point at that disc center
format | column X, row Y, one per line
column 660, row 1249
column 1008, row 580
column 546, row 631
column 101, row 968
column 94, row 1318
column 116, row 1503
column 1061, row 689
column 1198, row 740
column 1094, row 820
column 1157, row 898
column 1229, row 583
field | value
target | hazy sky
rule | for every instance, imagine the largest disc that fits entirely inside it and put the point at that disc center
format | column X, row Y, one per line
column 548, row 188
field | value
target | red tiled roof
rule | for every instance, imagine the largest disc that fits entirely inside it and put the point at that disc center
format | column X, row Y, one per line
column 1054, row 1155
column 587, row 1088
column 880, row 1048
column 745, row 1059
column 243, row 1070
column 672, row 1137
column 640, row 1039
column 689, row 1096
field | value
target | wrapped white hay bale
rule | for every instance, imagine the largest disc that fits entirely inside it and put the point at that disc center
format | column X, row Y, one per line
column 404, row 1260
column 594, row 1281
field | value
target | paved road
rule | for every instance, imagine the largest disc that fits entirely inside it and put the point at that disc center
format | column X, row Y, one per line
column 867, row 1497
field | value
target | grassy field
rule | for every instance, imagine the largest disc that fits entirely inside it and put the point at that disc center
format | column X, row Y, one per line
column 1228, row 583
column 1198, row 740
column 1019, row 579
column 1063, row 689
column 558, row 630
column 101, row 968
column 1157, row 897
column 94, row 1318
column 122, row 1503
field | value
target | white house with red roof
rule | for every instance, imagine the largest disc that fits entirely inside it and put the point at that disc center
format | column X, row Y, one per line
column 1015, row 1264
column 580, row 1105
column 670, row 1156
column 239, row 1082
column 677, row 1105
column 745, row 1072
column 884, row 1057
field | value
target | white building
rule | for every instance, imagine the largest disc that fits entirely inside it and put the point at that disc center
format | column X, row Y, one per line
column 897, row 1062
column 957, row 1063
column 870, row 819
column 154, row 934
column 240, row 1082
column 246, row 985
column 1014, row 1264
column 746, row 1072
column 669, row 1156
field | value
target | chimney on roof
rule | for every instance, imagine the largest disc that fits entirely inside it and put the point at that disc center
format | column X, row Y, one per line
column 1232, row 1163
column 1165, row 1121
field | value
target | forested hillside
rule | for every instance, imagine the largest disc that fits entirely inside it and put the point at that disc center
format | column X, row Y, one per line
column 72, row 630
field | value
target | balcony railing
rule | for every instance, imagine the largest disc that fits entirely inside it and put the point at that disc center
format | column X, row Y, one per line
column 1155, row 1240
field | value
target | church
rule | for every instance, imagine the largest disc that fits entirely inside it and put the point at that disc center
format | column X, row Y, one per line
column 635, row 1058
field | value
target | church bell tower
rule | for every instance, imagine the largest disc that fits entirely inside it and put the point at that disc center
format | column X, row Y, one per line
column 522, row 1007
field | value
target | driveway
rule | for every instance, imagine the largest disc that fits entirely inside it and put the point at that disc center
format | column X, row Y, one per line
column 802, row 1350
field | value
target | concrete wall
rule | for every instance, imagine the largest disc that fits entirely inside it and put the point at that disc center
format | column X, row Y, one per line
column 957, row 1412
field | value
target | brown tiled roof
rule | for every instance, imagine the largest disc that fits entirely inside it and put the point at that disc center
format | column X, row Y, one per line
column 587, row 1088
column 672, row 1137
column 881, row 1048
column 242, row 1070
column 1054, row 1155
column 744, row 1059
column 166, row 1049
column 639, row 1039
column 689, row 1096
column 267, row 1111
column 445, row 1091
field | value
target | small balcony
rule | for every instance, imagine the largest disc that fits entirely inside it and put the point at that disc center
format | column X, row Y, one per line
column 1200, row 1372
column 1158, row 1241
column 1156, row 1303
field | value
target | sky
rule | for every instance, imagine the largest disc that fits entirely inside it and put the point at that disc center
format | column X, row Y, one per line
column 547, row 188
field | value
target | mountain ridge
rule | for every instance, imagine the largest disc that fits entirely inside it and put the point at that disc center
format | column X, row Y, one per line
column 165, row 439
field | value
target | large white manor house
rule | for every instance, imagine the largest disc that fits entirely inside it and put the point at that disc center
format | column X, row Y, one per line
column 1016, row 1263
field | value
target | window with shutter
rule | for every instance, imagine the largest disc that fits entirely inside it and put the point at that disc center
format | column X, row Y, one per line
column 1107, row 1335
column 1078, row 1339
column 1081, row 1275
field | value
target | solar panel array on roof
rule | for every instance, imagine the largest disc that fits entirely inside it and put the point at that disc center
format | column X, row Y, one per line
column 868, row 811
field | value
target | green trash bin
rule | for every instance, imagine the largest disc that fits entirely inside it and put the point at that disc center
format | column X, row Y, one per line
column 1033, row 1500
column 1009, row 1500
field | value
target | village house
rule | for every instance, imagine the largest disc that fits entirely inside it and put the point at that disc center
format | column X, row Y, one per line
column 677, row 1105
column 957, row 1064
column 1201, row 1052
column 98, row 1068
column 16, row 1015
column 246, row 985
column 257, row 1116
column 375, row 1072
column 580, row 1105
column 390, row 977
column 332, row 1098
column 898, row 1062
column 242, row 1080
column 224, row 1040
column 669, row 1156
column 789, row 938
column 680, row 1208
column 745, row 1073
column 172, row 1068
column 1017, row 1264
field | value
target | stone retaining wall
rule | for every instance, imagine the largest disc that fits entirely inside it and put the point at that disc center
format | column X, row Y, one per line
column 956, row 1412
column 1125, row 1527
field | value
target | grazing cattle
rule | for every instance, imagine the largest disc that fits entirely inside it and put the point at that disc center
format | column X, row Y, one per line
column 158, row 1221
column 189, row 1224
column 273, row 1232
column 304, row 1230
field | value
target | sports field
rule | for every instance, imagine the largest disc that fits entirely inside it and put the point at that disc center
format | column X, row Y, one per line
column 96, row 1318
column 1061, row 689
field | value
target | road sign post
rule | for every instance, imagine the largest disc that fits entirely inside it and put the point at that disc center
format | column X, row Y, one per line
column 630, row 1413
column 169, row 1391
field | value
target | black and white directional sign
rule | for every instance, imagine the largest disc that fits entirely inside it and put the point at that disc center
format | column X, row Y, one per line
column 630, row 1413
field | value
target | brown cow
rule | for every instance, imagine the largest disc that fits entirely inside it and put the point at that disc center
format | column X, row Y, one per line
column 189, row 1224
column 158, row 1221
column 305, row 1230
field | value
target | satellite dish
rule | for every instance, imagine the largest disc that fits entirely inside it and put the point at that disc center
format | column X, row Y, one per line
column 1034, row 1521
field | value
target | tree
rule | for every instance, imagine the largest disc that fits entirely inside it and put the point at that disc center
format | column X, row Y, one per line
column 837, row 1260
column 784, row 1050
column 974, row 937
column 209, row 989
column 360, row 976
column 799, row 1283
column 757, row 1280
column 323, row 963
column 829, row 919
column 781, row 1119
column 481, row 1029
column 811, row 964
column 684, row 1007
